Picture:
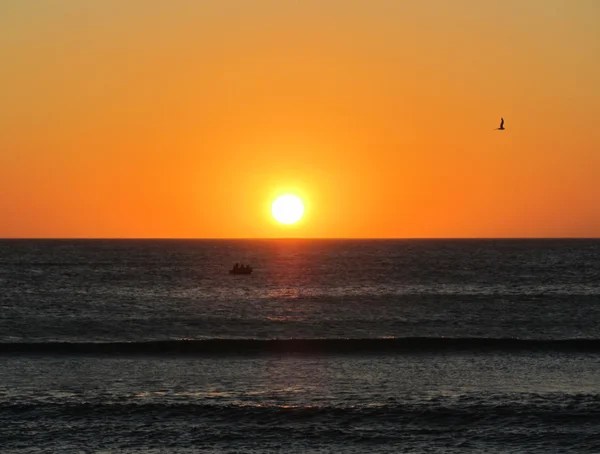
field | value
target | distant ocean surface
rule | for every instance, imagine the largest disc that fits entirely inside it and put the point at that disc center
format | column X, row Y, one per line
column 449, row 346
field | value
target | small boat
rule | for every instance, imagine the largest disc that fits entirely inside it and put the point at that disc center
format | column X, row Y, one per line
column 241, row 270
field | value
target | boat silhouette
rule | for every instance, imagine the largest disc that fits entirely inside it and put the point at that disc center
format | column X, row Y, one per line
column 241, row 269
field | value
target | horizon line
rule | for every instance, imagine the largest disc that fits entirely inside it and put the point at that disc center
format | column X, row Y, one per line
column 296, row 238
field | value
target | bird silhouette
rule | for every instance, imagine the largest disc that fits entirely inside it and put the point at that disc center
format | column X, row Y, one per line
column 501, row 128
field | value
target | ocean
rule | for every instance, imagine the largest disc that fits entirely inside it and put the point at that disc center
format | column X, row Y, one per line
column 424, row 346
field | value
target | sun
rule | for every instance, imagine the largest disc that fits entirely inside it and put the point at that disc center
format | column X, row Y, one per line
column 287, row 209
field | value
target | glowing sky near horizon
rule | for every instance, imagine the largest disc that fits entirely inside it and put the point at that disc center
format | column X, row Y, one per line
column 187, row 119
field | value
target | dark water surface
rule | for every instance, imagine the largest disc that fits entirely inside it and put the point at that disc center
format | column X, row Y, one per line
column 328, row 346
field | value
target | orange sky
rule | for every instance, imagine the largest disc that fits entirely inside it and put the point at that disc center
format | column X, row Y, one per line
column 184, row 119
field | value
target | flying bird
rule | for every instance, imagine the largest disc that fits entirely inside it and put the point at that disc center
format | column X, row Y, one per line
column 501, row 128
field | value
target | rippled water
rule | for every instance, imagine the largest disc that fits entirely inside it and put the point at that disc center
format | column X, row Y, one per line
column 400, row 346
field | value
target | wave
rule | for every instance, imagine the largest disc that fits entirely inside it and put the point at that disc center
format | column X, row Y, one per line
column 197, row 427
column 557, row 409
column 405, row 345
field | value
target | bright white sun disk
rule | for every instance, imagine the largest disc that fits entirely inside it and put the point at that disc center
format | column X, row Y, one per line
column 287, row 209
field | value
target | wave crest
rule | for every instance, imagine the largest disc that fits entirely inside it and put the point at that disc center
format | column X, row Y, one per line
column 404, row 345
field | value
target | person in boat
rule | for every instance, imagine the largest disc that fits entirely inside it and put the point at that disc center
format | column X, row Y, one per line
column 236, row 267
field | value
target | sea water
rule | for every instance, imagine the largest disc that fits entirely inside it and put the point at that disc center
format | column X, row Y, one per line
column 328, row 346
